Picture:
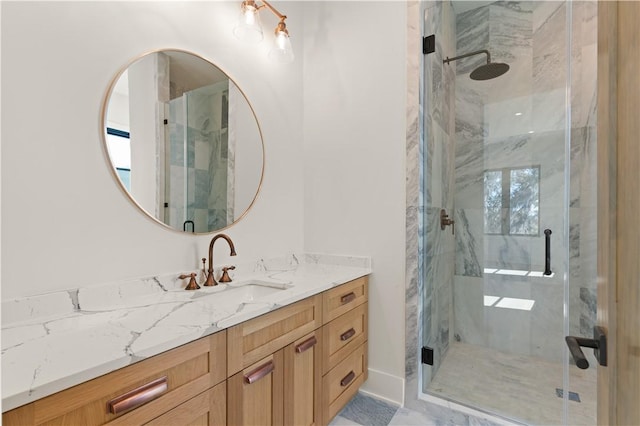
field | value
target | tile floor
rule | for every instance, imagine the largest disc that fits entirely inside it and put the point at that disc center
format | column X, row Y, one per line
column 506, row 384
column 364, row 410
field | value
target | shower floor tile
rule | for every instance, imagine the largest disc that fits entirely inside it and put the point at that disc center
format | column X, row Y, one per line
column 519, row 387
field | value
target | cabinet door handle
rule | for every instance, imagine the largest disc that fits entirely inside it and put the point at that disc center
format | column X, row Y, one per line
column 348, row 334
column 138, row 396
column 348, row 379
column 306, row 345
column 259, row 372
column 348, row 298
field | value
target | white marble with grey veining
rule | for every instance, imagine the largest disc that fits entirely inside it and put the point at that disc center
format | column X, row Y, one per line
column 58, row 340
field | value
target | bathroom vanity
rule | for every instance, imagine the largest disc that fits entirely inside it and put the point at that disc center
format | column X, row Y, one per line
column 293, row 356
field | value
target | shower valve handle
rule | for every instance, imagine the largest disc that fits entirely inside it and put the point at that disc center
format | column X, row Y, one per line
column 446, row 221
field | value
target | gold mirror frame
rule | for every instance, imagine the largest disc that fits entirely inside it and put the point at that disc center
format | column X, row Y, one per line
column 112, row 167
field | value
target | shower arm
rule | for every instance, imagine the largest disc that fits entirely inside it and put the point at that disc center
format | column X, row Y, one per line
column 466, row 55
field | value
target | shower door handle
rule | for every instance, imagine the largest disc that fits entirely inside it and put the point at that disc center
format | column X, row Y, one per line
column 598, row 343
column 547, row 252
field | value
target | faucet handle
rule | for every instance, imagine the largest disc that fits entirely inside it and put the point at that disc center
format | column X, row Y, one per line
column 193, row 285
column 225, row 278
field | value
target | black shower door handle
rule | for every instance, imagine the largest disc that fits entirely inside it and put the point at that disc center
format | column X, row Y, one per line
column 598, row 343
column 547, row 252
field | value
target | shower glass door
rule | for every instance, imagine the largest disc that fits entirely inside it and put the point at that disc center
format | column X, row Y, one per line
column 198, row 172
column 507, row 158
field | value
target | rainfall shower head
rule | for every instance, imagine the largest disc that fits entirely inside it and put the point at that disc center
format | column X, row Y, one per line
column 489, row 70
column 483, row 72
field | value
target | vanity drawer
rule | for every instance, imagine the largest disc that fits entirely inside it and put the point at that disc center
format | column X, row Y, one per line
column 154, row 386
column 342, row 299
column 343, row 381
column 344, row 334
column 257, row 338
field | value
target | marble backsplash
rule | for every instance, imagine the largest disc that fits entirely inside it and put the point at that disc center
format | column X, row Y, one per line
column 52, row 305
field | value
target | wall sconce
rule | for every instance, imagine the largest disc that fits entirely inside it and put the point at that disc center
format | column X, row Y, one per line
column 249, row 29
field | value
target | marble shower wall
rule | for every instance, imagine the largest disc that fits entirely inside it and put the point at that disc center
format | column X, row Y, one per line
column 205, row 141
column 531, row 38
column 438, row 184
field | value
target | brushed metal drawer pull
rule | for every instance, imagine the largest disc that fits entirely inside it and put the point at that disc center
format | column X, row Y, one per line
column 259, row 372
column 347, row 334
column 348, row 379
column 348, row 298
column 138, row 396
column 306, row 345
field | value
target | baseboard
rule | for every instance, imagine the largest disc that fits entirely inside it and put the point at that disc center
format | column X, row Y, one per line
column 384, row 386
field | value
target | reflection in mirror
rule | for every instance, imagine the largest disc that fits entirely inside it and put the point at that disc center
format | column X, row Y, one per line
column 183, row 141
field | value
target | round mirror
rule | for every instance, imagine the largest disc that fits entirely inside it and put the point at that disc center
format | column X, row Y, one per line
column 184, row 142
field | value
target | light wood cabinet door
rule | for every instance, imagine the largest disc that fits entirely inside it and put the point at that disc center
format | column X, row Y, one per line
column 303, row 381
column 255, row 394
column 207, row 409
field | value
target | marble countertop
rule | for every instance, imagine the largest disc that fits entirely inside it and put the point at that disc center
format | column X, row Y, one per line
column 58, row 340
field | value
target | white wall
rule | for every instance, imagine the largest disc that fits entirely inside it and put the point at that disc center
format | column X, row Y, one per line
column 246, row 163
column 355, row 136
column 65, row 222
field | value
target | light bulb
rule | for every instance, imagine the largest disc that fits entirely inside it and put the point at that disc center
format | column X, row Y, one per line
column 282, row 51
column 248, row 27
column 281, row 40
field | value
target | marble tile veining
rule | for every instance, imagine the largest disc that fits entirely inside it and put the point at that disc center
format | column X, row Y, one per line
column 472, row 29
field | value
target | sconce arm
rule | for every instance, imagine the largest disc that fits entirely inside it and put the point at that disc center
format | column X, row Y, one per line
column 273, row 10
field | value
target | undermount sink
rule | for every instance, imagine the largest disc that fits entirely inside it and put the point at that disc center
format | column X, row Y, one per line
column 250, row 291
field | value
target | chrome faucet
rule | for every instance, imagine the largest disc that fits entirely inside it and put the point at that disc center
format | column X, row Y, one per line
column 210, row 279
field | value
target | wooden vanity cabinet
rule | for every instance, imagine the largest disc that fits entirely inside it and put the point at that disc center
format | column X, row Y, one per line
column 161, row 383
column 314, row 359
column 345, row 337
column 283, row 387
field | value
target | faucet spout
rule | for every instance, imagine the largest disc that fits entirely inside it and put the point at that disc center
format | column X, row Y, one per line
column 210, row 279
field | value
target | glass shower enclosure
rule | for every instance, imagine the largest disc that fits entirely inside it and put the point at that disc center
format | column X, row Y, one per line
column 197, row 166
column 505, row 159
